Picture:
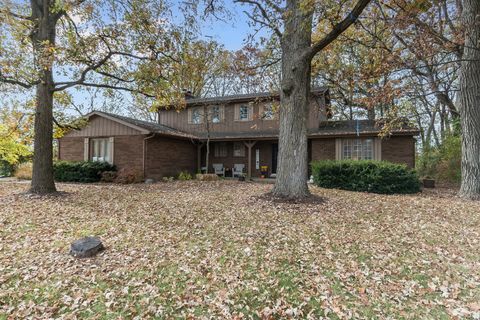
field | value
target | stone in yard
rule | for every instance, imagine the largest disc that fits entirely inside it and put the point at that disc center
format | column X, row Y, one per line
column 149, row 181
column 86, row 247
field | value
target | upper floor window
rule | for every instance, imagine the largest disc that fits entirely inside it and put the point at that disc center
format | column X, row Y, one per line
column 215, row 114
column 196, row 115
column 243, row 113
column 268, row 112
column 358, row 149
column 101, row 150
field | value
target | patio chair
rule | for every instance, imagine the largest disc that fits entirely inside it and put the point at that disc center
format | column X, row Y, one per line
column 238, row 169
column 219, row 169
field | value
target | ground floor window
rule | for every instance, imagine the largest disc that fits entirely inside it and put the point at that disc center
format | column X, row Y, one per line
column 220, row 150
column 358, row 149
column 238, row 149
column 101, row 150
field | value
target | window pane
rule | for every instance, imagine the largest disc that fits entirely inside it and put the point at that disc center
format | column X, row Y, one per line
column 268, row 113
column 220, row 150
column 238, row 149
column 215, row 114
column 106, row 154
column 101, row 150
column 243, row 112
column 196, row 116
column 358, row 149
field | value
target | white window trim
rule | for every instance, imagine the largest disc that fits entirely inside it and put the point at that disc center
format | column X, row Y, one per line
column 86, row 149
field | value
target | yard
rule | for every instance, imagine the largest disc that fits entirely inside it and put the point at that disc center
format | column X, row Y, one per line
column 218, row 250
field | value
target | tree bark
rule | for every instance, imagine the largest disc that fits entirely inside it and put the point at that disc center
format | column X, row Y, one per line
column 292, row 169
column 470, row 101
column 43, row 38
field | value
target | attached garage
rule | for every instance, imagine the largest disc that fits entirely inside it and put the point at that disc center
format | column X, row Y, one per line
column 154, row 149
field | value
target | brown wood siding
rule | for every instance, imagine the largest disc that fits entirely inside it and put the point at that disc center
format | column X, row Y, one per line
column 102, row 127
column 70, row 149
column 400, row 149
column 179, row 119
column 166, row 157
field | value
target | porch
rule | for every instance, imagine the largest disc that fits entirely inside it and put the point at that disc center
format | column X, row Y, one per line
column 258, row 157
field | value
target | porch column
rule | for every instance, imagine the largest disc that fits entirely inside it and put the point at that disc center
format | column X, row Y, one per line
column 199, row 157
column 249, row 145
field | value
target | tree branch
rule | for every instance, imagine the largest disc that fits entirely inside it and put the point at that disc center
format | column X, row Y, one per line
column 339, row 28
column 25, row 85
column 15, row 15
column 264, row 14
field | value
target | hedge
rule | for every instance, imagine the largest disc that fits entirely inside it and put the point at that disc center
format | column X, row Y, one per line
column 80, row 171
column 370, row 176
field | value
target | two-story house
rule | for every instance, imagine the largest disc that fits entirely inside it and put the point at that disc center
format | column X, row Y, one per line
column 240, row 130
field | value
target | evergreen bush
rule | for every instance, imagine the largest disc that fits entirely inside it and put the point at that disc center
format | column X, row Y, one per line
column 80, row 171
column 370, row 176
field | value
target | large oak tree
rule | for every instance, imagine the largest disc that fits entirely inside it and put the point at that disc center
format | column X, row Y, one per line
column 51, row 46
column 292, row 22
column 470, row 101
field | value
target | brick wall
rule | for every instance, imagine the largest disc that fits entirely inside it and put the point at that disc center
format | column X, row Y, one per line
column 128, row 152
column 400, row 149
column 323, row 149
column 70, row 149
column 166, row 157
column 397, row 149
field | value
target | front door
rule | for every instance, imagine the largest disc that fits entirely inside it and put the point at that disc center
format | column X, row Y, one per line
column 274, row 157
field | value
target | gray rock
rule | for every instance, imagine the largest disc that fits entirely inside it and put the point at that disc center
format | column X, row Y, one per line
column 149, row 181
column 86, row 247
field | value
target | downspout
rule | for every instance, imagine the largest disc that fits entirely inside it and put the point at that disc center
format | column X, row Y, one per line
column 145, row 152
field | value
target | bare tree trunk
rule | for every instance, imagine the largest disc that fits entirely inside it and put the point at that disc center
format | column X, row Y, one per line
column 292, row 170
column 42, row 38
column 470, row 102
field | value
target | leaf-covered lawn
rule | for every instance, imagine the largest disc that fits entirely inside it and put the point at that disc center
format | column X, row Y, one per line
column 217, row 250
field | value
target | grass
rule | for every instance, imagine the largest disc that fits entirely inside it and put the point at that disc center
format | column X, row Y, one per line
column 189, row 249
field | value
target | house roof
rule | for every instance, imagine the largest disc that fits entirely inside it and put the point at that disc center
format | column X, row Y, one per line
column 325, row 129
column 246, row 97
column 361, row 127
column 145, row 127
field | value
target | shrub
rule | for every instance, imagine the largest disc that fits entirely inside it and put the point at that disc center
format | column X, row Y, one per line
column 443, row 162
column 6, row 169
column 371, row 176
column 168, row 179
column 184, row 175
column 24, row 171
column 129, row 175
column 108, row 176
column 80, row 171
